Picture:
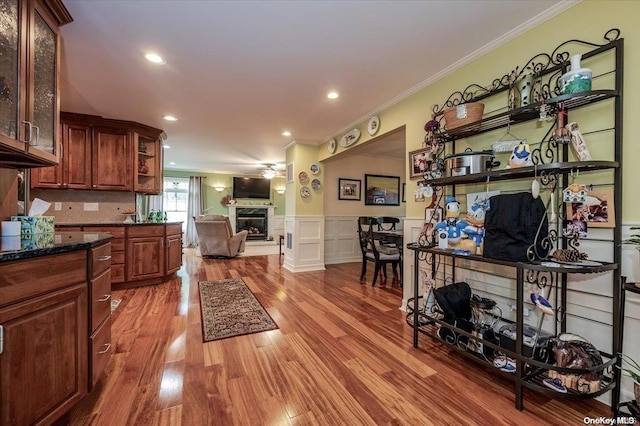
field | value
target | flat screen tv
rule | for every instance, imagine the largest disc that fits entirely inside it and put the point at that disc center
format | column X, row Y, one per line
column 246, row 187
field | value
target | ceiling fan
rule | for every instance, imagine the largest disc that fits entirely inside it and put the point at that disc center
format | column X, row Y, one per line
column 269, row 172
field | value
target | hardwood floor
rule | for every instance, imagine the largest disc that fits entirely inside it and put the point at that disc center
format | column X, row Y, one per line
column 342, row 356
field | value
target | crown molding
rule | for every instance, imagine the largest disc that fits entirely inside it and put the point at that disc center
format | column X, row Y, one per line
column 526, row 26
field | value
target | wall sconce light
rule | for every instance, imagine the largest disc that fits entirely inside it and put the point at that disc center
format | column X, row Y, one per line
column 219, row 188
column 280, row 191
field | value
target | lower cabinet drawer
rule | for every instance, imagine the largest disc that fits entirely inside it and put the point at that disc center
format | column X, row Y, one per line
column 100, row 259
column 101, row 349
column 100, row 294
column 117, row 273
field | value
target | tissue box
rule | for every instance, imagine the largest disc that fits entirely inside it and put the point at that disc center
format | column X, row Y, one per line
column 38, row 241
column 31, row 225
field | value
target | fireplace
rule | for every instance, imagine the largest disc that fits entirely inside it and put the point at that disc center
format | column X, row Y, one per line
column 254, row 221
column 248, row 211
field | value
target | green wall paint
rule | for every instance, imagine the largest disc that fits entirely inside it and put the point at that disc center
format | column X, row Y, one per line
column 212, row 197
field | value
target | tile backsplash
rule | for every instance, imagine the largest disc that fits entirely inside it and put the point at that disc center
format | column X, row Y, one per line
column 73, row 205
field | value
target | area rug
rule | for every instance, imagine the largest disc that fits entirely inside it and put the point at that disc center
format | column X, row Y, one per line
column 230, row 309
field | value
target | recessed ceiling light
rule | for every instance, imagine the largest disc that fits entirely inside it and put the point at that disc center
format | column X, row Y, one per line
column 333, row 95
column 169, row 118
column 166, row 146
column 286, row 133
column 156, row 59
column 171, row 163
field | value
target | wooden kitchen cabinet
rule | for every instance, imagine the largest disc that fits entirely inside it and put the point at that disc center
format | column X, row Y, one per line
column 117, row 249
column 74, row 169
column 29, row 46
column 100, row 348
column 148, row 167
column 44, row 319
column 174, row 248
column 105, row 154
column 111, row 163
column 145, row 252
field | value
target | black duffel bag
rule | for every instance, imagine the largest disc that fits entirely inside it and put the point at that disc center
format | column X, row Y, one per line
column 511, row 224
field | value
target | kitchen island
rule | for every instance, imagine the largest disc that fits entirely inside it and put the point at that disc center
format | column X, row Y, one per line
column 145, row 253
column 55, row 328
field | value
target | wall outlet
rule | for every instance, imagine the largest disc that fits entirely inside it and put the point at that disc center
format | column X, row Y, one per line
column 90, row 207
column 57, row 206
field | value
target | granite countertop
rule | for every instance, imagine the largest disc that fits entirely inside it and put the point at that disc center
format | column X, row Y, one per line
column 69, row 225
column 15, row 248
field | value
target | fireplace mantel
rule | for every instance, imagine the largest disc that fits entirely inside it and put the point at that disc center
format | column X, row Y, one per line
column 270, row 214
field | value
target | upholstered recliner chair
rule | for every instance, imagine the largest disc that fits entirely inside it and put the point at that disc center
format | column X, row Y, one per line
column 216, row 237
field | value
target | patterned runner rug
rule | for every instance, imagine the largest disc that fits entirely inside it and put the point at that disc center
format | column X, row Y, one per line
column 230, row 309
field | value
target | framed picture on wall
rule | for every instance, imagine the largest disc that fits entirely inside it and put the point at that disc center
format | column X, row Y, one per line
column 382, row 190
column 419, row 162
column 349, row 189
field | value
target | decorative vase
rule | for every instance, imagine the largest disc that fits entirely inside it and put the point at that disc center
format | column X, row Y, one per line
column 577, row 79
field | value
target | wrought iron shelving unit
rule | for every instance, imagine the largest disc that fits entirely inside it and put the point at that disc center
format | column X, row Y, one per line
column 554, row 168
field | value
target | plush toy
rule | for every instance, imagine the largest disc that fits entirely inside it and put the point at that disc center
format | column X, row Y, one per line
column 452, row 223
column 521, row 156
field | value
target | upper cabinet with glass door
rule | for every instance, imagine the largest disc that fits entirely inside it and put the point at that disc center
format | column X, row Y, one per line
column 29, row 105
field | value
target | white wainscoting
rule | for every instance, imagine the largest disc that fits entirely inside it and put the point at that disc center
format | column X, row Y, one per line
column 341, row 240
column 304, row 243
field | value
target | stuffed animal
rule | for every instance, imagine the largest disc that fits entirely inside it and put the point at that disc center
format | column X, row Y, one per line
column 452, row 223
column 521, row 156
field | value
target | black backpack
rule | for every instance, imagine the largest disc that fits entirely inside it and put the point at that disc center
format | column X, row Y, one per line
column 455, row 302
column 511, row 224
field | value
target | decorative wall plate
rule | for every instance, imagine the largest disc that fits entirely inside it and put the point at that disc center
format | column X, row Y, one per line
column 349, row 138
column 316, row 184
column 305, row 192
column 332, row 146
column 373, row 125
column 315, row 169
column 304, row 177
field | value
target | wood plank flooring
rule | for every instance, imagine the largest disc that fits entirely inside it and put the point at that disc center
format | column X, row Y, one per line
column 342, row 356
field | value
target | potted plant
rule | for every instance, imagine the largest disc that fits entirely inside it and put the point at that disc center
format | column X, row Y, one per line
column 632, row 369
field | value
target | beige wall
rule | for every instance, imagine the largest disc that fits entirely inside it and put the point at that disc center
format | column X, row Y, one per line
column 355, row 167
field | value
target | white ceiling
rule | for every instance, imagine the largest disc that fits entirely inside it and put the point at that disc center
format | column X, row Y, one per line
column 238, row 73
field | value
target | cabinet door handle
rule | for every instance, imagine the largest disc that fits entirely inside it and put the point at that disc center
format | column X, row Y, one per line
column 104, row 258
column 30, row 131
column 37, row 135
column 106, row 349
column 104, row 298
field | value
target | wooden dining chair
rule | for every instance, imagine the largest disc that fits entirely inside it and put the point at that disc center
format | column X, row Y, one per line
column 387, row 223
column 374, row 252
